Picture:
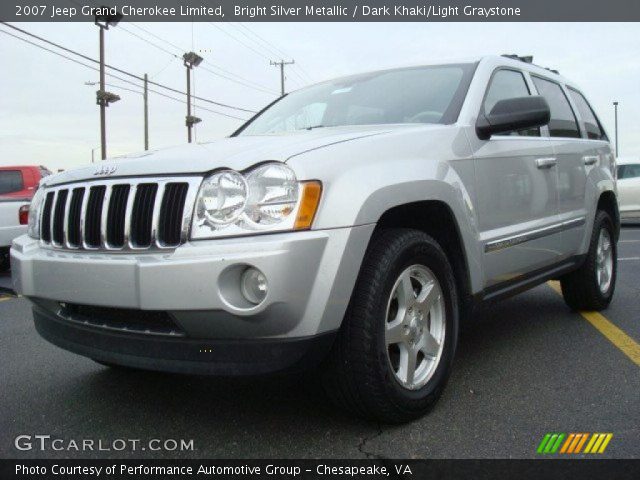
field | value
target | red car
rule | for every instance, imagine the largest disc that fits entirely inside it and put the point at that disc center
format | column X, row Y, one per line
column 17, row 186
column 20, row 182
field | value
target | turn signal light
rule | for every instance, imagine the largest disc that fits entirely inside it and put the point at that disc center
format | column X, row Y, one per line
column 308, row 205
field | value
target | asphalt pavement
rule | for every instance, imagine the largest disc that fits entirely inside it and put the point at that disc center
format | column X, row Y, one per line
column 525, row 367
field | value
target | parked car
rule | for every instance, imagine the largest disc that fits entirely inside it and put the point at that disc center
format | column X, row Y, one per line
column 350, row 225
column 629, row 189
column 17, row 186
column 13, row 223
column 21, row 182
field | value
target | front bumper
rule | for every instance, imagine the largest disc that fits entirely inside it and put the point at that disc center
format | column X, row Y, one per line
column 184, row 355
column 310, row 277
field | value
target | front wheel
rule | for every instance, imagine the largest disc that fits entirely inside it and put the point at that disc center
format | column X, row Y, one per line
column 394, row 351
column 591, row 287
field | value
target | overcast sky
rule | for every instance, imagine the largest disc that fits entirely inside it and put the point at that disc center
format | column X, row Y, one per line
column 48, row 115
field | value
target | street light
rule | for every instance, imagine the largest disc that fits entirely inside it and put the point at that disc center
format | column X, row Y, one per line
column 104, row 98
column 145, row 98
column 615, row 107
column 191, row 59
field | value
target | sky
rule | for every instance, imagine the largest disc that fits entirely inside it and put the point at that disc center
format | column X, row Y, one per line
column 48, row 114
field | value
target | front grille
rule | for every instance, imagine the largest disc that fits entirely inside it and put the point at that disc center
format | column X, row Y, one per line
column 119, row 214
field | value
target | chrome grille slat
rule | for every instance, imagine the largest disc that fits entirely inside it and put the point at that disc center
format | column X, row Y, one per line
column 83, row 216
column 119, row 215
column 127, row 214
column 65, row 220
column 104, row 217
column 155, row 220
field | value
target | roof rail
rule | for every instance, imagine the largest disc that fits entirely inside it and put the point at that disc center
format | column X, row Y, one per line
column 528, row 59
column 525, row 59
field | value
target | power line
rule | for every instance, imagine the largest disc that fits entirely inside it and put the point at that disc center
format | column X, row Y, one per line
column 115, row 76
column 238, row 40
column 239, row 80
column 121, row 27
column 137, row 77
column 180, row 49
column 276, row 51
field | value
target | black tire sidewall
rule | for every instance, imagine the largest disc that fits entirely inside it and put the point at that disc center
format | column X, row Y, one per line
column 5, row 263
column 427, row 253
column 603, row 220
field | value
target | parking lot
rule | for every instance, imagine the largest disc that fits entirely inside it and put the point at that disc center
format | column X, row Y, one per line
column 526, row 367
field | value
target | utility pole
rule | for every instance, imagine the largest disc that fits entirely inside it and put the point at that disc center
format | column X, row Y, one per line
column 615, row 106
column 281, row 64
column 104, row 98
column 191, row 59
column 146, row 112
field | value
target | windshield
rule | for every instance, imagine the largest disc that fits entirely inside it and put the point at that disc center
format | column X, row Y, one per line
column 432, row 94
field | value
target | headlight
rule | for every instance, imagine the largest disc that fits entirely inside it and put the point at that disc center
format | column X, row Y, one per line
column 222, row 199
column 33, row 229
column 267, row 198
column 273, row 194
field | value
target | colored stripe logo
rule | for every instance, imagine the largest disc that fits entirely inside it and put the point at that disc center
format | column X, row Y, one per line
column 574, row 443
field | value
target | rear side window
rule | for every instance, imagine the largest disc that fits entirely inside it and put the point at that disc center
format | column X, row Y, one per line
column 563, row 121
column 591, row 123
column 10, row 181
column 507, row 84
column 629, row 171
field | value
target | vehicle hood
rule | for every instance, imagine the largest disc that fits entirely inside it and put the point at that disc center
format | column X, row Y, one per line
column 237, row 153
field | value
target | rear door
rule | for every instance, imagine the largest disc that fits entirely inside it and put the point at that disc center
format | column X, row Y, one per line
column 575, row 156
column 516, row 191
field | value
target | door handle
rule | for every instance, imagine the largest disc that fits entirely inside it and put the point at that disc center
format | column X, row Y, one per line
column 590, row 160
column 546, row 162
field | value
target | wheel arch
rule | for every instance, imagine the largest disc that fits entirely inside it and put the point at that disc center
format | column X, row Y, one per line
column 608, row 202
column 437, row 219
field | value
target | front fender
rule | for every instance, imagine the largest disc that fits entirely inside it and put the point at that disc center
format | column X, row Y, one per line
column 360, row 185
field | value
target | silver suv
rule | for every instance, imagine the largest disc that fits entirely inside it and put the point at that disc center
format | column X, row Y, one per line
column 348, row 227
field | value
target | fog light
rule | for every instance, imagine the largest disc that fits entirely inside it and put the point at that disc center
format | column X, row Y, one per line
column 253, row 285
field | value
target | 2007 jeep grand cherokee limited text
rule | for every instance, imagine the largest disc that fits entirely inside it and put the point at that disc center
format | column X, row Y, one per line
column 348, row 227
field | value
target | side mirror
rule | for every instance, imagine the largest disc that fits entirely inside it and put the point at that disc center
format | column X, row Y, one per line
column 513, row 114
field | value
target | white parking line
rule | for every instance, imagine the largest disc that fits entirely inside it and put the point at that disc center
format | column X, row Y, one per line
column 629, row 258
column 629, row 241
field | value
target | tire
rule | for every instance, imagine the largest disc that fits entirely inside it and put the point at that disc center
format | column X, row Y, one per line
column 4, row 260
column 360, row 373
column 581, row 289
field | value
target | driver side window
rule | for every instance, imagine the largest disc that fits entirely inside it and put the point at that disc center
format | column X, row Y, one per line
column 508, row 84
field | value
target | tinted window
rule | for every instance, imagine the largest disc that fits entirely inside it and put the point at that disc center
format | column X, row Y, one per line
column 507, row 84
column 431, row 94
column 563, row 122
column 629, row 171
column 10, row 181
column 591, row 123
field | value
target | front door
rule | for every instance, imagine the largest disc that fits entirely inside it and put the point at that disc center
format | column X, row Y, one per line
column 516, row 180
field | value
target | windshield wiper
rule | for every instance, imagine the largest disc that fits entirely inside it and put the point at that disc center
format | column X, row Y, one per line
column 315, row 126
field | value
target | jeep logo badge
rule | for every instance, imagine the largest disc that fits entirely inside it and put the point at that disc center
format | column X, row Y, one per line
column 105, row 170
